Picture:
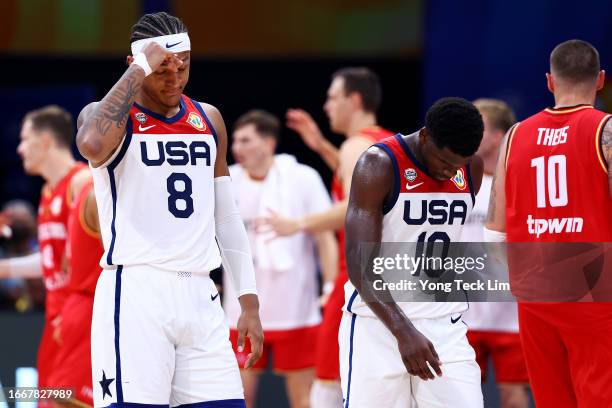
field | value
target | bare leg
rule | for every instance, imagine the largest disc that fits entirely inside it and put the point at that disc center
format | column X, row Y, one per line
column 298, row 384
column 513, row 395
column 250, row 381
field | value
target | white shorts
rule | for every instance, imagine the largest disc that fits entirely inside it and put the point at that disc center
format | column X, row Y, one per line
column 373, row 374
column 160, row 338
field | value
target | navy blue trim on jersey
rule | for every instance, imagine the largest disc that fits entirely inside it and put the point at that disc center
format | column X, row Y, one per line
column 126, row 143
column 411, row 155
column 113, row 186
column 229, row 403
column 470, row 183
column 348, row 388
column 208, row 122
column 162, row 118
column 351, row 300
column 118, row 385
column 136, row 405
column 391, row 199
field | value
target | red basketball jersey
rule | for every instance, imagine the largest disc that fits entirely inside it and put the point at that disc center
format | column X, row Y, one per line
column 557, row 179
column 375, row 134
column 53, row 214
column 84, row 247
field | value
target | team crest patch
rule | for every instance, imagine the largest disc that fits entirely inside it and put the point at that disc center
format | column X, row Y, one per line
column 56, row 206
column 196, row 121
column 141, row 117
column 459, row 180
column 410, row 174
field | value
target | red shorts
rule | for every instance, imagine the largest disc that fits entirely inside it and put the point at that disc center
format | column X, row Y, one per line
column 291, row 349
column 47, row 355
column 328, row 350
column 568, row 350
column 73, row 368
column 506, row 352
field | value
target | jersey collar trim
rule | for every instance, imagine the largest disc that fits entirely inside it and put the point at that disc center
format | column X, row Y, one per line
column 411, row 155
column 162, row 118
column 568, row 109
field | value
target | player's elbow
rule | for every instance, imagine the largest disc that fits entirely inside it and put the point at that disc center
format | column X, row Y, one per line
column 89, row 145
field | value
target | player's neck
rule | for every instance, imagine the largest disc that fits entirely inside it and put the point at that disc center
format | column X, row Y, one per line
column 413, row 143
column 146, row 101
column 568, row 99
column 57, row 165
column 260, row 172
column 360, row 121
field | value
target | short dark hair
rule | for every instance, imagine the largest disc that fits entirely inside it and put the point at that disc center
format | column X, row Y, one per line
column 363, row 81
column 500, row 114
column 455, row 123
column 54, row 119
column 155, row 25
column 266, row 124
column 576, row 61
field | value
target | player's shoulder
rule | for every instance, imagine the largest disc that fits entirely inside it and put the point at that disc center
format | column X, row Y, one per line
column 79, row 180
column 375, row 160
column 353, row 147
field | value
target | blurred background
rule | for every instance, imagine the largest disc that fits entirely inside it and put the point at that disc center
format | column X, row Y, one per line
column 274, row 56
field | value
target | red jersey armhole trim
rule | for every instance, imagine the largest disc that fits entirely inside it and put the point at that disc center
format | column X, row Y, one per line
column 509, row 143
column 75, row 170
column 598, row 149
column 89, row 231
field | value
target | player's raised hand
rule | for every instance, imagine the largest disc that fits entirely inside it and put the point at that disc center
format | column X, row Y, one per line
column 418, row 354
column 301, row 122
column 158, row 55
column 276, row 224
column 249, row 326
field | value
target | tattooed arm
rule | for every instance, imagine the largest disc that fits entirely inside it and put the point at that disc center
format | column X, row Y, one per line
column 606, row 146
column 102, row 124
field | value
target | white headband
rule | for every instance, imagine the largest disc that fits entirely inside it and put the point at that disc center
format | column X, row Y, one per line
column 173, row 42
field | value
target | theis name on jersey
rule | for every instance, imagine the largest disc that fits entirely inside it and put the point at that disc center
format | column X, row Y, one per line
column 552, row 137
column 175, row 152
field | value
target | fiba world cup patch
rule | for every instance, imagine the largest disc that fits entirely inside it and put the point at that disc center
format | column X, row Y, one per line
column 459, row 180
column 196, row 121
column 141, row 117
column 410, row 174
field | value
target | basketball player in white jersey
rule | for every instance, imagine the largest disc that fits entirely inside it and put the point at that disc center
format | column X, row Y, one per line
column 161, row 181
column 413, row 188
column 493, row 326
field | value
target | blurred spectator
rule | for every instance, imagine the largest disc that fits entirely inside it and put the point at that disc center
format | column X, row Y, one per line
column 286, row 268
column 19, row 220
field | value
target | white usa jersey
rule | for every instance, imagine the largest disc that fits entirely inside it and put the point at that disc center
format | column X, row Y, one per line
column 155, row 194
column 420, row 209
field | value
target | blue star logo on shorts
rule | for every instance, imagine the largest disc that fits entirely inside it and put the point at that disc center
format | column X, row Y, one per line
column 105, row 384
